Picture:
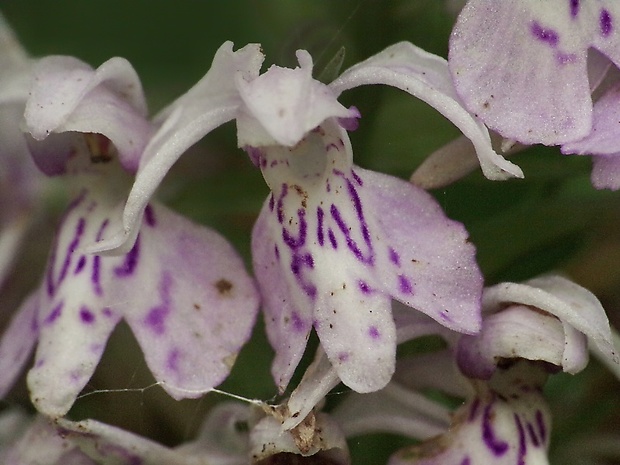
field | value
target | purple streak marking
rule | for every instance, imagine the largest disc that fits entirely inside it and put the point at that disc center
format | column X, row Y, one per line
column 495, row 445
column 298, row 262
column 280, row 203
column 373, row 332
column 358, row 180
column 605, row 23
column 542, row 428
column 353, row 247
column 404, row 285
column 533, row 436
column 272, row 202
column 79, row 231
column 394, row 257
column 172, row 362
column 574, row 8
column 149, row 216
column 296, row 242
column 332, row 238
column 95, row 276
column 466, row 461
column 80, row 265
column 364, row 287
column 298, row 324
column 343, row 356
column 86, row 316
column 522, row 445
column 156, row 317
column 54, row 314
column 131, row 261
column 320, row 235
column 545, row 35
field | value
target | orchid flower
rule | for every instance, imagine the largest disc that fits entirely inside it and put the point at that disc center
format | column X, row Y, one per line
column 181, row 288
column 529, row 330
column 232, row 434
column 334, row 243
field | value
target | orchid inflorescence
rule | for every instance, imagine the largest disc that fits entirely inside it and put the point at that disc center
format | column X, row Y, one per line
column 365, row 261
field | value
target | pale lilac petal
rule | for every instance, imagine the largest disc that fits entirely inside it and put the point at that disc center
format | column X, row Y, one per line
column 603, row 138
column 426, row 76
column 195, row 308
column 532, row 84
column 68, row 95
column 336, row 243
column 197, row 305
column 432, row 253
column 17, row 342
column 286, row 103
column 570, row 303
column 288, row 320
column 317, row 435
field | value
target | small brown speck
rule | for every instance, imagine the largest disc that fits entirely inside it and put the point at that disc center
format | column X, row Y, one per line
column 223, row 286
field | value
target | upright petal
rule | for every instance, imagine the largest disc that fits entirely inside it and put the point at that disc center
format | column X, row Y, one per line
column 287, row 104
column 532, row 84
column 426, row 77
column 69, row 96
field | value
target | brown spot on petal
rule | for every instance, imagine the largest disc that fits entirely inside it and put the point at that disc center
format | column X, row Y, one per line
column 224, row 287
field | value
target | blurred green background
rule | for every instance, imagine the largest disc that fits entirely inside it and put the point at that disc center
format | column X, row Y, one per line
column 552, row 220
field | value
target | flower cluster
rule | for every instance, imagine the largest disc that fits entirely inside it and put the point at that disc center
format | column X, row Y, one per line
column 364, row 260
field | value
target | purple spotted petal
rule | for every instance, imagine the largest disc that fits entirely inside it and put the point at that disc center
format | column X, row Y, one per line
column 181, row 288
column 198, row 305
column 283, row 104
column 17, row 342
column 334, row 244
column 426, row 76
column 213, row 101
column 69, row 96
column 573, row 305
column 532, row 84
column 508, row 426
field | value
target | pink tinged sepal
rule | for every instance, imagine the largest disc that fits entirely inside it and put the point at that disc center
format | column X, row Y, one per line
column 17, row 343
column 69, row 96
column 213, row 101
column 426, row 77
column 282, row 105
column 507, row 422
column 182, row 289
column 602, row 142
column 532, row 85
